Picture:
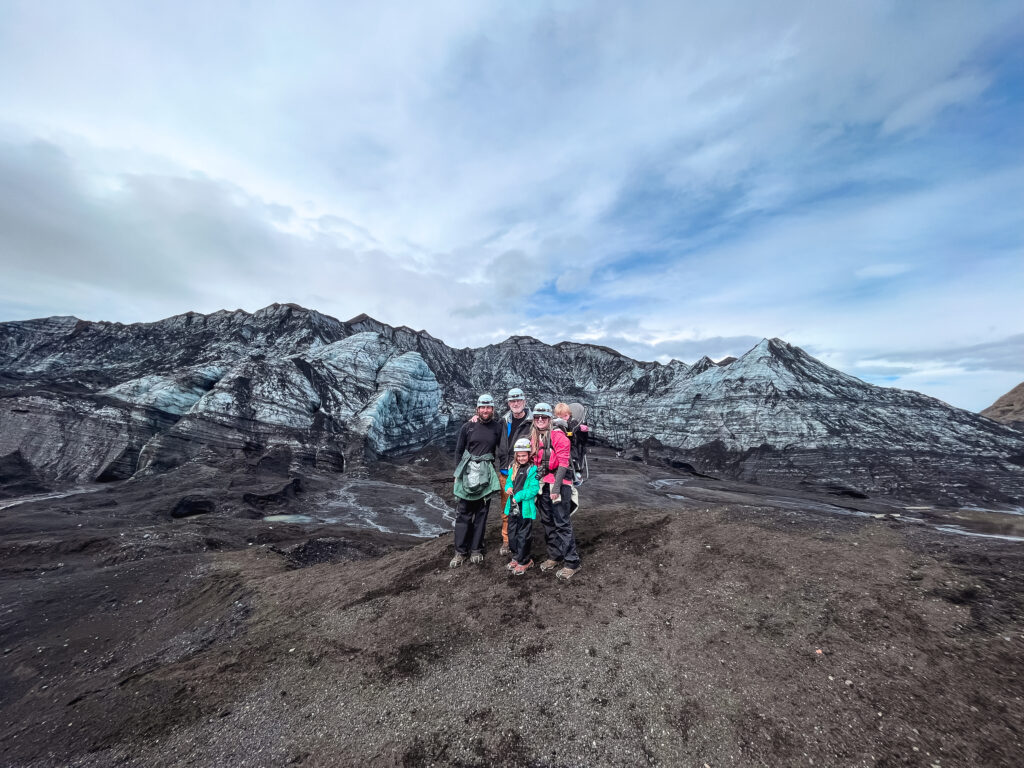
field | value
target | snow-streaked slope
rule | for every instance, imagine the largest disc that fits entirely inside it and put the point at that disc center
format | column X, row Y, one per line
column 81, row 400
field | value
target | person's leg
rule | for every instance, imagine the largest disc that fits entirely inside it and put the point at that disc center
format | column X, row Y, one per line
column 479, row 525
column 524, row 540
column 505, row 519
column 513, row 537
column 563, row 527
column 544, row 507
column 463, row 524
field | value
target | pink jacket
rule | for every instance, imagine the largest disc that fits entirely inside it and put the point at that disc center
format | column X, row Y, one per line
column 559, row 457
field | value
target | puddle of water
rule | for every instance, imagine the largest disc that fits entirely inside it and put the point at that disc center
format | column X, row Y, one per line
column 669, row 482
column 289, row 519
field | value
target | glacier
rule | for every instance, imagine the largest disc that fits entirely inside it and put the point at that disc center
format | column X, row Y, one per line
column 294, row 389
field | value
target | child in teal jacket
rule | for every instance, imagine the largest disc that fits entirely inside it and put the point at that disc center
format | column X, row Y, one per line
column 522, row 486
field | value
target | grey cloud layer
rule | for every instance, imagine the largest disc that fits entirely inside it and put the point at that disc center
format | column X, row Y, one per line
column 439, row 124
column 119, row 246
column 1002, row 355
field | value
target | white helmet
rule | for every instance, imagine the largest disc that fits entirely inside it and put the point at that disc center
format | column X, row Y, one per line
column 522, row 444
column 484, row 400
column 542, row 409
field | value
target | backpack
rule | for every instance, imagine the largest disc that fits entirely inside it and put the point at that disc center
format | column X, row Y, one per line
column 579, row 436
column 560, row 425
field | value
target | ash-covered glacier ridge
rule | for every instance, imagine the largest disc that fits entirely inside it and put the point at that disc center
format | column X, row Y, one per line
column 285, row 389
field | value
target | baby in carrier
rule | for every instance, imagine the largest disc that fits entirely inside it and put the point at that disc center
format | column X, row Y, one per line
column 570, row 419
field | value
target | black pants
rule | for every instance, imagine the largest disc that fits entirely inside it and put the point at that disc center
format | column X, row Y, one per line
column 520, row 538
column 470, row 524
column 557, row 528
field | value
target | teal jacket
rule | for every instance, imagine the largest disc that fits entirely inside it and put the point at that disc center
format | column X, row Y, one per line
column 527, row 497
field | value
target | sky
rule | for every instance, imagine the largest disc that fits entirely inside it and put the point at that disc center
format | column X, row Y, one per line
column 668, row 179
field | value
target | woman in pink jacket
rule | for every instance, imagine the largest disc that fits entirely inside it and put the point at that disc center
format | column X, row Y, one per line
column 551, row 450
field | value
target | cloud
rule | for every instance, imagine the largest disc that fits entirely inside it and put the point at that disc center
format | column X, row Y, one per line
column 1001, row 355
column 686, row 350
column 924, row 106
column 883, row 270
column 479, row 309
column 157, row 244
column 971, row 376
column 443, row 123
column 971, row 390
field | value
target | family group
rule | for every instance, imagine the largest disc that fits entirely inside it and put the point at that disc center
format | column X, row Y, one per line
column 526, row 457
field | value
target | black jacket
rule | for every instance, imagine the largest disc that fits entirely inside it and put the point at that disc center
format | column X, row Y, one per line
column 478, row 438
column 509, row 437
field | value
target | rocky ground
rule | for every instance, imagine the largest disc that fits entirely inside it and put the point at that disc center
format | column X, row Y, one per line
column 712, row 624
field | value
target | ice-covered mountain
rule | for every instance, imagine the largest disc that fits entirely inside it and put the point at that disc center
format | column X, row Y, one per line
column 289, row 388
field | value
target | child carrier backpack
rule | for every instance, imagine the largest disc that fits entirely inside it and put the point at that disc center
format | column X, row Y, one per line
column 579, row 435
column 562, row 426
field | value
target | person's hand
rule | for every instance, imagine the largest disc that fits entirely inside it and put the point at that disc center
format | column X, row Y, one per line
column 556, row 497
column 475, row 418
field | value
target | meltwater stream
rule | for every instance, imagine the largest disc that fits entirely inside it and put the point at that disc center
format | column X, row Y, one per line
column 14, row 502
column 1004, row 525
column 386, row 507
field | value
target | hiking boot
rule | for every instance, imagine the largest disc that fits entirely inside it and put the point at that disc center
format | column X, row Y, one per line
column 511, row 566
column 522, row 569
column 456, row 561
column 475, row 558
column 504, row 551
column 567, row 573
column 548, row 565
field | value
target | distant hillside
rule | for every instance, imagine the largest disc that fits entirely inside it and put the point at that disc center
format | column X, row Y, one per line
column 1008, row 409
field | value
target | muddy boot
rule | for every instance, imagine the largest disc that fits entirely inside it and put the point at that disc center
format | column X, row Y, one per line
column 475, row 558
column 567, row 573
column 511, row 566
column 504, row 551
column 521, row 570
column 548, row 565
column 456, row 561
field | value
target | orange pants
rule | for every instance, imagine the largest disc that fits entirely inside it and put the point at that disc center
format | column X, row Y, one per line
column 504, row 517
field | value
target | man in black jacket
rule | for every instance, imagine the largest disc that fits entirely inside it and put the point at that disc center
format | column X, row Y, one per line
column 478, row 437
column 517, row 423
